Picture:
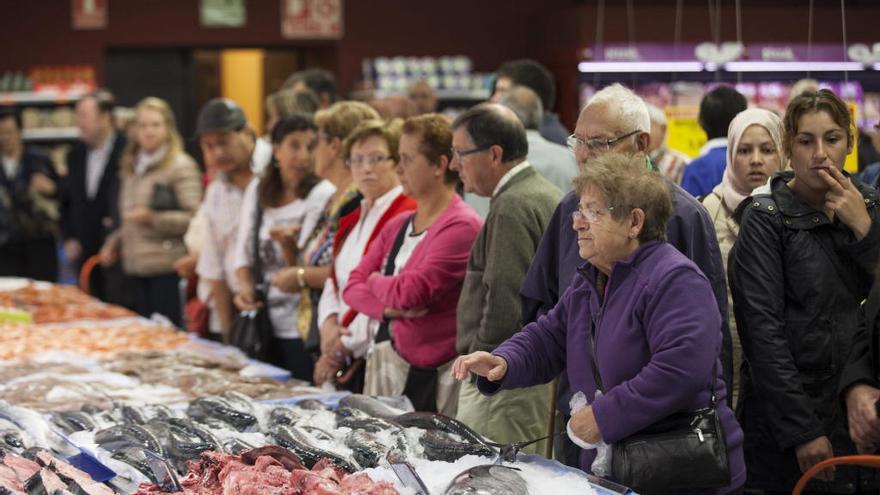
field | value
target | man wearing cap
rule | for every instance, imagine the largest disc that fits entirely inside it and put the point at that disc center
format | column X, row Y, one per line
column 228, row 142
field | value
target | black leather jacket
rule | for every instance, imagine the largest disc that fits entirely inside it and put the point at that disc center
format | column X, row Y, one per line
column 797, row 281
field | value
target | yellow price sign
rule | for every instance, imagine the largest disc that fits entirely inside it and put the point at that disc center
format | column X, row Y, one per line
column 851, row 164
column 683, row 131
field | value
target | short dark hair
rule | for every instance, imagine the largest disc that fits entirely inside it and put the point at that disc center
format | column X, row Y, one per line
column 11, row 113
column 626, row 183
column 318, row 80
column 533, row 75
column 104, row 99
column 487, row 126
column 815, row 101
column 435, row 132
column 718, row 108
column 271, row 188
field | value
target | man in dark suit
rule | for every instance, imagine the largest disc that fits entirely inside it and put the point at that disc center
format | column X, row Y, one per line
column 28, row 206
column 90, row 208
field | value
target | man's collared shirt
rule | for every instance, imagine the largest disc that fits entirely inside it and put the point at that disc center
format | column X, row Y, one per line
column 221, row 208
column 509, row 175
column 96, row 162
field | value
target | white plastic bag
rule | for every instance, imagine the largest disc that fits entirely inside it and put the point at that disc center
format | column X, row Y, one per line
column 601, row 466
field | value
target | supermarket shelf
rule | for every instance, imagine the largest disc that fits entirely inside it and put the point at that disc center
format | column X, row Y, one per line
column 442, row 94
column 31, row 97
column 51, row 134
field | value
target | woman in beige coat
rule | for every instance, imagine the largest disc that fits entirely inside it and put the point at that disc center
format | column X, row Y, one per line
column 160, row 191
column 754, row 153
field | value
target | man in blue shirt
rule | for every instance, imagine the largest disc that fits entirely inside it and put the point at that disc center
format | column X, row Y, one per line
column 717, row 109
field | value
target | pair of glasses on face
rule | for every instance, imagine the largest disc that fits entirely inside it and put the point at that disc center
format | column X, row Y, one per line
column 574, row 142
column 589, row 215
column 371, row 160
column 457, row 155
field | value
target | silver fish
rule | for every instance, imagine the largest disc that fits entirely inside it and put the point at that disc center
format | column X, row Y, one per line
column 488, row 479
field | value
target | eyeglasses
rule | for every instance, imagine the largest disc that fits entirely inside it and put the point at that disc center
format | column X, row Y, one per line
column 596, row 144
column 590, row 215
column 372, row 161
column 457, row 155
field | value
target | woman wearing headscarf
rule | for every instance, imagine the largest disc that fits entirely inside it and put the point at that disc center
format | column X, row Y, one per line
column 754, row 153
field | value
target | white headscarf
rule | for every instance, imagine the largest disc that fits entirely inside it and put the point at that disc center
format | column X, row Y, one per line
column 733, row 190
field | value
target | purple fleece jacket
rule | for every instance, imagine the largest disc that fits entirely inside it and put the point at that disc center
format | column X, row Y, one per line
column 657, row 340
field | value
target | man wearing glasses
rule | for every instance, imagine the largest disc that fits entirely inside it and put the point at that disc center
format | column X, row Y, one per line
column 489, row 148
column 616, row 120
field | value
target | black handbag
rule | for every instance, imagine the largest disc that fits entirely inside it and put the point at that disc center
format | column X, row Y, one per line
column 164, row 198
column 684, row 451
column 252, row 330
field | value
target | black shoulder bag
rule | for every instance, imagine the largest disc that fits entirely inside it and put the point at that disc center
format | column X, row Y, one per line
column 252, row 330
column 684, row 451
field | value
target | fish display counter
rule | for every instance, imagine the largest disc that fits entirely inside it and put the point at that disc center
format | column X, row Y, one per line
column 96, row 400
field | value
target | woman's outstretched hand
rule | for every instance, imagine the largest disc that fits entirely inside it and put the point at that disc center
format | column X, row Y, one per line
column 482, row 363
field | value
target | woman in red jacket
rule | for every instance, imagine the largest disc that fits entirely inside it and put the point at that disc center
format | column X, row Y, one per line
column 371, row 155
column 410, row 279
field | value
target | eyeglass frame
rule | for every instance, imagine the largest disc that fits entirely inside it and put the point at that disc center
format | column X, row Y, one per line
column 372, row 160
column 457, row 155
column 596, row 213
column 574, row 141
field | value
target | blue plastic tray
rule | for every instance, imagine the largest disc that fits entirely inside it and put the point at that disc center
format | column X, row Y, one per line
column 91, row 466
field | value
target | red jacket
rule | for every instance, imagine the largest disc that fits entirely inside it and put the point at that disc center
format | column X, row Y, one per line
column 400, row 204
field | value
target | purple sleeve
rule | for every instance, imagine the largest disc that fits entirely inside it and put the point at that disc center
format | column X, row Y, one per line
column 536, row 354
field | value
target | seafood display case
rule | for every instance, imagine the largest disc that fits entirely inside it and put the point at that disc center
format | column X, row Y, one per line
column 94, row 400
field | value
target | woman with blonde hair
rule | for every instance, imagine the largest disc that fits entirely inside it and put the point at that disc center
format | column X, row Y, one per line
column 160, row 191
column 754, row 154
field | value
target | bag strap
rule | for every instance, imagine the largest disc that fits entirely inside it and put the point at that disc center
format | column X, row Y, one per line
column 384, row 332
column 257, row 265
column 597, row 378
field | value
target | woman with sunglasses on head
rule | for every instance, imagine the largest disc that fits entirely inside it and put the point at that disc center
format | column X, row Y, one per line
column 410, row 279
column 371, row 157
column 799, row 269
column 281, row 209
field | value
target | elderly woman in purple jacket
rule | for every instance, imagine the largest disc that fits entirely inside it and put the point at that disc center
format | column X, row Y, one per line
column 657, row 328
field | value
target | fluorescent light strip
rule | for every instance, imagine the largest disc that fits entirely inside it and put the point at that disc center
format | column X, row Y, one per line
column 762, row 66
column 593, row 67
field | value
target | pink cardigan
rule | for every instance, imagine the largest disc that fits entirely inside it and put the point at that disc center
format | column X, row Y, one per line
column 432, row 278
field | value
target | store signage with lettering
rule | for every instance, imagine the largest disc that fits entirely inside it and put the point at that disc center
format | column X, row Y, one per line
column 88, row 14
column 311, row 19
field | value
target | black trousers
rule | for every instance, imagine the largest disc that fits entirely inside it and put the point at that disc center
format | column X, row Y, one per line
column 292, row 356
column 32, row 259
column 157, row 294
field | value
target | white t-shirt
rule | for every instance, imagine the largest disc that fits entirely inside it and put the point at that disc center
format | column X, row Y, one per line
column 282, row 306
column 10, row 167
column 221, row 210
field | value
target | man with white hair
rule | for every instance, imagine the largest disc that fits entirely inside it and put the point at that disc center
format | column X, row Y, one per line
column 616, row 120
column 669, row 162
column 551, row 160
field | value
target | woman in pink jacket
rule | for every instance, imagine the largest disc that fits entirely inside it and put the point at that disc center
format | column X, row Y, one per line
column 410, row 279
